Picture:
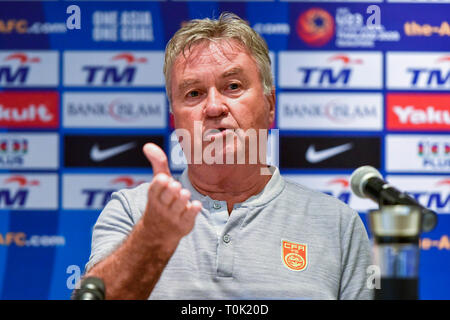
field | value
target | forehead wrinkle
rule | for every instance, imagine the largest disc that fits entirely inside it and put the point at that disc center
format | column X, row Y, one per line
column 203, row 53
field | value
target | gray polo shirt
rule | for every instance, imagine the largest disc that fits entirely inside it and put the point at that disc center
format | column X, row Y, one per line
column 287, row 242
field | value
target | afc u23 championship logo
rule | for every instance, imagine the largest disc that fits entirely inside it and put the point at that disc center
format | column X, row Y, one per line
column 294, row 255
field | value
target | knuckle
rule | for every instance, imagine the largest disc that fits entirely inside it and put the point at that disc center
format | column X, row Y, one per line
column 162, row 178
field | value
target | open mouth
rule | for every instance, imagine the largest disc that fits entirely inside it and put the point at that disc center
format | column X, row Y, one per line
column 213, row 133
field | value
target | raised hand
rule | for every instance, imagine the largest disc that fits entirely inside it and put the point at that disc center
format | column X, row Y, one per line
column 169, row 214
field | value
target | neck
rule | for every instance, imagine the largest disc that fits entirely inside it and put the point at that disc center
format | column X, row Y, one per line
column 230, row 183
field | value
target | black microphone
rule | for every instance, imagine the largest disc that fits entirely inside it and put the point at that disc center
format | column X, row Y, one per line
column 91, row 288
column 367, row 182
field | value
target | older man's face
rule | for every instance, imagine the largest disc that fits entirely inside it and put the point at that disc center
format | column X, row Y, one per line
column 216, row 85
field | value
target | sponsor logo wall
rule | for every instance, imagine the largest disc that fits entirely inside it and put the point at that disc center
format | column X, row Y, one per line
column 358, row 82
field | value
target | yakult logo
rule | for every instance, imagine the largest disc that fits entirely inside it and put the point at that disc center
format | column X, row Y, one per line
column 420, row 111
column 29, row 109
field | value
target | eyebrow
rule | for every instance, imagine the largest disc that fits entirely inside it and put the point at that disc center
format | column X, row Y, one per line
column 232, row 72
column 189, row 82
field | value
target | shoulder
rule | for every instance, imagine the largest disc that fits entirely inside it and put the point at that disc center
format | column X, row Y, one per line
column 315, row 198
column 130, row 201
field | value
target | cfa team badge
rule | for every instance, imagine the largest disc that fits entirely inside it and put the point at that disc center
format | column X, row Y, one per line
column 294, row 255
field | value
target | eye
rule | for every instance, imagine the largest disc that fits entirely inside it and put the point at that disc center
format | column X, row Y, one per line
column 233, row 86
column 193, row 94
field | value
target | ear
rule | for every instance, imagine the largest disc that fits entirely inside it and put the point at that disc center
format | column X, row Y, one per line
column 271, row 100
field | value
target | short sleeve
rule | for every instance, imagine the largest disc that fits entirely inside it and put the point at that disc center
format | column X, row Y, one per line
column 113, row 225
column 356, row 258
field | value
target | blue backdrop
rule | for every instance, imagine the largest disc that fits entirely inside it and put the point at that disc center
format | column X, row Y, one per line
column 374, row 76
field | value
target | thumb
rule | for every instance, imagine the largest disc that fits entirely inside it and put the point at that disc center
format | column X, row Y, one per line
column 157, row 158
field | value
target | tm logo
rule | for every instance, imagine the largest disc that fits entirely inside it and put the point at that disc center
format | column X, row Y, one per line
column 344, row 194
column 18, row 193
column 10, row 74
column 330, row 76
column 114, row 74
column 100, row 197
column 430, row 77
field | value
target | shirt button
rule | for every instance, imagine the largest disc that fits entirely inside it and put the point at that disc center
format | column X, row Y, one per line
column 216, row 205
column 226, row 238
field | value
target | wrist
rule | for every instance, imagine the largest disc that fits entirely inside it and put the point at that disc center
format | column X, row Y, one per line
column 161, row 244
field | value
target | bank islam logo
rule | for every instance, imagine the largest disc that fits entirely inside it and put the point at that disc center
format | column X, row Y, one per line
column 325, row 111
column 330, row 70
column 316, row 27
column 418, row 112
column 114, row 110
column 141, row 68
column 28, row 68
column 418, row 71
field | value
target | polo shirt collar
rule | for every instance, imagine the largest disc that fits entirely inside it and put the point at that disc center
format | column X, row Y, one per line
column 272, row 189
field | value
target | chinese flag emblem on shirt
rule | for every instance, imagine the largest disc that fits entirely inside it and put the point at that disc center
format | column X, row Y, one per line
column 294, row 255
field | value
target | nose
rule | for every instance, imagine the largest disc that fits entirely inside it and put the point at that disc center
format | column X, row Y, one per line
column 215, row 104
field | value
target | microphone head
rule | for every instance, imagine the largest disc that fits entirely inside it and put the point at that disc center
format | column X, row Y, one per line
column 91, row 288
column 360, row 177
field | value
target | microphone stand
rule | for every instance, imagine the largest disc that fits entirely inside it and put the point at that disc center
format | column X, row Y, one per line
column 396, row 230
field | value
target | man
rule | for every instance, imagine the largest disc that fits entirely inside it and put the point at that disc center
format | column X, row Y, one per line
column 228, row 229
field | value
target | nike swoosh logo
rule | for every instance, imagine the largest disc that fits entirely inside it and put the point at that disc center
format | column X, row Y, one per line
column 314, row 156
column 98, row 155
